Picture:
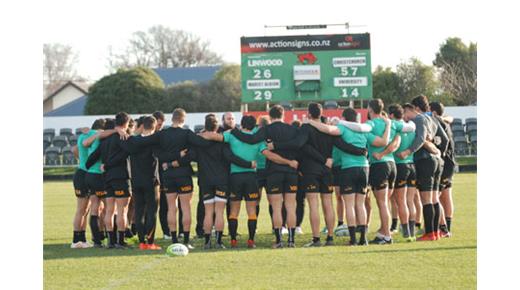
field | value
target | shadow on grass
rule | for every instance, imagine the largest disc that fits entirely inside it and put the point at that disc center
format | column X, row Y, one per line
column 263, row 241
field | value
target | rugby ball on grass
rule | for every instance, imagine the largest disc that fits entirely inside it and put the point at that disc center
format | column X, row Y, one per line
column 177, row 250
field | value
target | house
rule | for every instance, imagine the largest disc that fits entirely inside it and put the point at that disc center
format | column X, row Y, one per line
column 65, row 94
column 74, row 104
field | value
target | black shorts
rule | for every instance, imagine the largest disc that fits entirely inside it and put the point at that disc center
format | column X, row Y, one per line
column 96, row 184
column 261, row 178
column 80, row 187
column 437, row 175
column 313, row 183
column 118, row 188
column 243, row 186
column 405, row 175
column 213, row 193
column 353, row 180
column 426, row 169
column 447, row 175
column 335, row 175
column 282, row 182
column 180, row 185
column 382, row 175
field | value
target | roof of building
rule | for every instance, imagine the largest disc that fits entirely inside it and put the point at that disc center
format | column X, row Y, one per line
column 82, row 88
column 73, row 108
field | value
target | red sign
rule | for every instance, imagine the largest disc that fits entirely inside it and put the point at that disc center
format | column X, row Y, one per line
column 290, row 116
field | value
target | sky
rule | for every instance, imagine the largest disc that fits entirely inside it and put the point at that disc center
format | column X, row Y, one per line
column 399, row 29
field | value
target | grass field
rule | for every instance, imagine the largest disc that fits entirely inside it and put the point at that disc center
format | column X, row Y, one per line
column 449, row 263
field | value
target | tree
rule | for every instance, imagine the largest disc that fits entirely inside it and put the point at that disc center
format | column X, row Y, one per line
column 417, row 78
column 457, row 63
column 135, row 90
column 224, row 91
column 163, row 47
column 387, row 86
column 59, row 63
column 186, row 95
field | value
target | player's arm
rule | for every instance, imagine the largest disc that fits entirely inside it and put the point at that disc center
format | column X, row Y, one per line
column 355, row 126
column 187, row 156
column 279, row 159
column 447, row 119
column 104, row 134
column 231, row 157
column 75, row 151
column 119, row 157
column 418, row 141
column 383, row 140
column 392, row 147
column 349, row 148
column 93, row 158
column 204, row 139
column 257, row 137
column 430, row 147
column 442, row 139
column 327, row 129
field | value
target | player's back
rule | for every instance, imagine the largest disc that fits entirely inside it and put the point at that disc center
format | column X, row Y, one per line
column 281, row 132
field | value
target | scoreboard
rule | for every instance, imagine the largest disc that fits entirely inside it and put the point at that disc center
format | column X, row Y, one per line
column 306, row 67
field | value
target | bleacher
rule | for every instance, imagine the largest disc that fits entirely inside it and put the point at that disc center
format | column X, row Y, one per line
column 465, row 136
column 57, row 149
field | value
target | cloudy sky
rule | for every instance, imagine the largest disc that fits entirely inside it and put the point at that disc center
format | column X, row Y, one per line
column 399, row 29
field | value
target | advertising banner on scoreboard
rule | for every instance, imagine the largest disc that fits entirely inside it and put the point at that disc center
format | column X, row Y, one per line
column 306, row 67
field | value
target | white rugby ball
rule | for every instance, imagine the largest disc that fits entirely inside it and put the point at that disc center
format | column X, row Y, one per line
column 341, row 231
column 177, row 250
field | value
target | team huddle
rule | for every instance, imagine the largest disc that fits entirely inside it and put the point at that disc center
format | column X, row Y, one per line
column 130, row 171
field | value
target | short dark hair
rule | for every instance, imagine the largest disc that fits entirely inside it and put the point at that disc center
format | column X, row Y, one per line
column 110, row 123
column 349, row 114
column 315, row 110
column 158, row 115
column 178, row 115
column 323, row 119
column 396, row 110
column 437, row 107
column 149, row 122
column 98, row 124
column 376, row 105
column 421, row 102
column 122, row 118
column 131, row 122
column 408, row 106
column 248, row 122
column 211, row 122
column 276, row 112
column 296, row 123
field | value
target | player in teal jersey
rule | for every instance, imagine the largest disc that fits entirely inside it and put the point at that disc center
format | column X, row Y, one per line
column 353, row 177
column 79, row 224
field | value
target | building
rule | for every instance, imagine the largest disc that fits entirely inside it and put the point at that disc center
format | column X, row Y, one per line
column 68, row 92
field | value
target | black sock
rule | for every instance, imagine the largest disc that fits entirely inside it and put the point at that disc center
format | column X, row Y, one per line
column 352, row 233
column 174, row 237
column 251, row 226
column 340, row 223
column 363, row 231
column 82, row 236
column 121, row 238
column 233, row 226
column 448, row 223
column 315, row 239
column 406, row 230
column 278, row 235
column 207, row 238
column 418, row 225
column 428, row 213
column 257, row 209
column 94, row 227
column 112, row 237
column 394, row 224
column 331, row 238
column 436, row 217
column 133, row 228
column 75, row 237
column 128, row 233
column 219, row 237
column 186, row 237
column 411, row 226
column 292, row 231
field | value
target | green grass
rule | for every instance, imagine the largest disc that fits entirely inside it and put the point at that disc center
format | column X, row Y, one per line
column 449, row 263
column 469, row 160
column 55, row 171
